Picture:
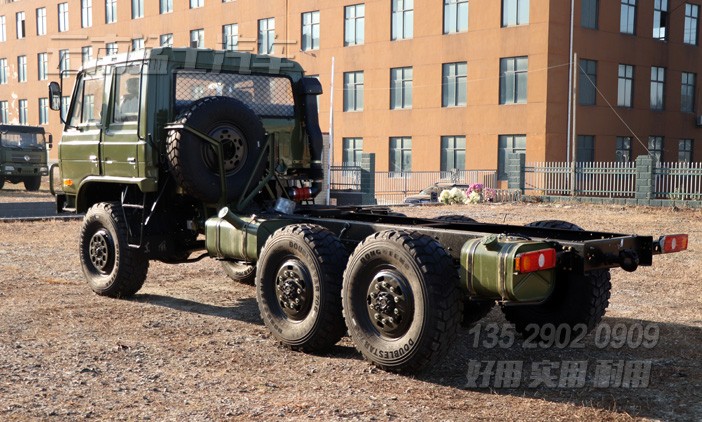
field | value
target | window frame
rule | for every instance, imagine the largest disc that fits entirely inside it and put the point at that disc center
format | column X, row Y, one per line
column 627, row 24
column 351, row 147
column 358, row 35
column 401, row 79
column 587, row 82
column 510, row 146
column 622, row 152
column 63, row 18
column 513, row 78
column 266, row 36
column 628, row 82
column 401, row 152
column 310, row 24
column 400, row 15
column 354, row 89
column 521, row 13
column 450, row 148
column 658, row 88
column 86, row 13
column 691, row 24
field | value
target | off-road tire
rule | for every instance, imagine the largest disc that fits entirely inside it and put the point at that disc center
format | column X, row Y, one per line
column 2, row 182
column 240, row 271
column 305, row 262
column 577, row 299
column 110, row 266
column 456, row 218
column 415, row 272
column 192, row 160
column 32, row 183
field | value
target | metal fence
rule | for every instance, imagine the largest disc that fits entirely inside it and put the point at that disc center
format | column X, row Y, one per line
column 678, row 181
column 347, row 178
column 590, row 179
column 393, row 187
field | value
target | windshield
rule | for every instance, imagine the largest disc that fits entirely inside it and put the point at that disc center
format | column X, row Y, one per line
column 22, row 140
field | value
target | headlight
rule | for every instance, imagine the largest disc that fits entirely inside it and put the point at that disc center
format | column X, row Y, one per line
column 9, row 169
column 43, row 169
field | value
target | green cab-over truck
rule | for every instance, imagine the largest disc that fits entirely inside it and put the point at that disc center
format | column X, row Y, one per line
column 176, row 154
column 23, row 155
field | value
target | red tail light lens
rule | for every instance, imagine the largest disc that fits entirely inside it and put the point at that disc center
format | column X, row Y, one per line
column 673, row 243
column 528, row 262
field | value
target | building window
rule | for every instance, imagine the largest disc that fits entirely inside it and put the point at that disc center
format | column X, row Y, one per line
column 266, row 35
column 86, row 13
column 230, row 37
column 3, row 71
column 625, row 86
column 453, row 84
column 513, row 80
column 660, row 20
column 354, row 24
column 400, row 154
column 3, row 112
column 587, row 83
column 687, row 92
column 3, row 29
column 111, row 48
column 165, row 6
column 623, row 152
column 589, row 17
column 86, row 54
column 22, row 68
column 691, row 16
column 508, row 144
column 453, row 153
column 165, row 40
column 353, row 91
column 194, row 4
column 65, row 102
column 515, row 12
column 585, row 151
column 20, row 20
column 402, row 19
column 685, row 150
column 137, row 44
column 43, row 111
column 197, row 38
column 23, row 112
column 110, row 11
column 42, row 66
column 657, row 88
column 137, row 9
column 41, row 21
column 352, row 151
column 400, row 88
column 310, row 31
column 63, row 17
column 655, row 148
column 455, row 16
column 627, row 20
column 64, row 61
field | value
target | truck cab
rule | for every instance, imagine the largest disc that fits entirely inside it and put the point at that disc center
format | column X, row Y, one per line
column 23, row 155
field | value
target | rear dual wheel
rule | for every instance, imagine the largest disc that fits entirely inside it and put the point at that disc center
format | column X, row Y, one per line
column 298, row 287
column 401, row 300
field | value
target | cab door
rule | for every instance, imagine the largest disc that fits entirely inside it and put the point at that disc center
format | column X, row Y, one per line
column 121, row 146
column 79, row 150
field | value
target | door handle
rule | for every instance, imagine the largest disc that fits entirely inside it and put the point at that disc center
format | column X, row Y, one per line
column 93, row 158
column 131, row 160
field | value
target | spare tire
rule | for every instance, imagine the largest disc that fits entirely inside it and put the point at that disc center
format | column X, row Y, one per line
column 194, row 161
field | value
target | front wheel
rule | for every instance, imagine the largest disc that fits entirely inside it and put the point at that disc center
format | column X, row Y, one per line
column 401, row 300
column 32, row 183
column 298, row 286
column 110, row 266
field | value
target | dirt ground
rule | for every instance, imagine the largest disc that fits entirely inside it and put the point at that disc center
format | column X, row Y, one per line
column 191, row 345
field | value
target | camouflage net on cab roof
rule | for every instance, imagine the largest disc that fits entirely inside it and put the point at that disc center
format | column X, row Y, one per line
column 268, row 96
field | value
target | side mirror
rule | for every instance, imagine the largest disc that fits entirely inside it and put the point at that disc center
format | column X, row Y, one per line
column 54, row 96
column 310, row 86
column 51, row 141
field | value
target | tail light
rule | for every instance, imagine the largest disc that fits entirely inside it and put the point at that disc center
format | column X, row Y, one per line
column 673, row 243
column 528, row 262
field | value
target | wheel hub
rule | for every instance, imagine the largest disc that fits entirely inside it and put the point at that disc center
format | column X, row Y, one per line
column 101, row 251
column 294, row 289
column 233, row 146
column 390, row 303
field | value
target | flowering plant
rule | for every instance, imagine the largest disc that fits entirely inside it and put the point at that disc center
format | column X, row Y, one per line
column 453, row 196
column 477, row 192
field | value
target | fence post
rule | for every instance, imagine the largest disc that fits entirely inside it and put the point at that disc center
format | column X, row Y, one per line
column 368, row 179
column 645, row 180
column 516, row 164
